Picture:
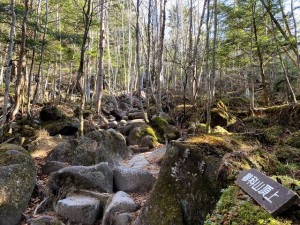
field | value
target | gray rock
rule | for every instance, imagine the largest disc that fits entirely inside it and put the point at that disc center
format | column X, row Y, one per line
column 137, row 149
column 97, row 146
column 79, row 209
column 98, row 177
column 136, row 121
column 112, row 124
column 120, row 203
column 52, row 166
column 132, row 180
column 63, row 152
column 149, row 141
column 123, row 219
column 157, row 155
column 187, row 185
column 17, row 180
column 63, row 127
column 135, row 115
column 111, row 118
column 123, row 122
column 51, row 113
column 138, row 161
column 45, row 220
column 102, row 197
column 138, row 133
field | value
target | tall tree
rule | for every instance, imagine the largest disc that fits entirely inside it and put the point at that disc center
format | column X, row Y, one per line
column 100, row 79
column 160, row 54
column 20, row 61
column 9, row 65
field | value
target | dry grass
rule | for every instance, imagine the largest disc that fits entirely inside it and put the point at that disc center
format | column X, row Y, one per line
column 42, row 134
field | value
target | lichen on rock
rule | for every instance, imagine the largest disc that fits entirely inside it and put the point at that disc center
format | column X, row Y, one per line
column 18, row 178
column 187, row 188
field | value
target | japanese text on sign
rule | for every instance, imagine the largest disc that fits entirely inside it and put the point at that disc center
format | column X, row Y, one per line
column 262, row 188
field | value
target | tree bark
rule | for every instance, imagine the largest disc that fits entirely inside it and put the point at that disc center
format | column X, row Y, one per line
column 260, row 59
column 100, row 79
column 160, row 54
column 9, row 67
column 20, row 61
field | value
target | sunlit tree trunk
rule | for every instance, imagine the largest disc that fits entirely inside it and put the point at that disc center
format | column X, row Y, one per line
column 100, row 80
column 260, row 58
column 160, row 54
column 30, row 77
column 9, row 67
column 20, row 62
column 207, row 70
column 39, row 75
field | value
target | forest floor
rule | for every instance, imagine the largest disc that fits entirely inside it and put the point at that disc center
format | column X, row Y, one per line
column 137, row 161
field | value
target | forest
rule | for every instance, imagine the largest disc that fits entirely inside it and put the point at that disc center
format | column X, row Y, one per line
column 146, row 112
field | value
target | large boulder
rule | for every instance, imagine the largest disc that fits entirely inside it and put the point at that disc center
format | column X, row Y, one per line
column 98, row 177
column 45, row 220
column 187, row 188
column 17, row 180
column 165, row 131
column 132, row 180
column 63, row 127
column 63, row 152
column 232, row 163
column 120, row 203
column 138, row 133
column 97, row 146
column 51, row 113
column 79, row 209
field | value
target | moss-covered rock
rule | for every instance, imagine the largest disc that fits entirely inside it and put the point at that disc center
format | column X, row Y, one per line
column 187, row 188
column 236, row 103
column 294, row 140
column 18, row 177
column 63, row 127
column 139, row 132
column 220, row 115
column 233, row 163
column 220, row 130
column 197, row 129
column 272, row 134
column 51, row 113
column 236, row 208
column 287, row 154
column 96, row 147
column 257, row 122
column 164, row 130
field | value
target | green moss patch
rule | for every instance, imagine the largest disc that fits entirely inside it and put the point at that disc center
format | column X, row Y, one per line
column 187, row 188
column 236, row 208
column 294, row 140
column 164, row 129
column 138, row 133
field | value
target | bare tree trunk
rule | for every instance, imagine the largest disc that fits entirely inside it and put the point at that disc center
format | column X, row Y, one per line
column 20, row 62
column 213, row 73
column 160, row 54
column 9, row 67
column 208, row 76
column 87, row 14
column 138, row 66
column 297, row 46
column 60, row 58
column 40, row 69
column 260, row 59
column 288, row 80
column 100, row 79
